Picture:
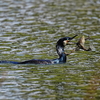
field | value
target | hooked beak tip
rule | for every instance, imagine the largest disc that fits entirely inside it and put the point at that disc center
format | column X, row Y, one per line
column 73, row 37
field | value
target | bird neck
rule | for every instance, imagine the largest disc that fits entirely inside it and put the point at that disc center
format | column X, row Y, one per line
column 62, row 58
column 62, row 55
column 59, row 49
column 60, row 46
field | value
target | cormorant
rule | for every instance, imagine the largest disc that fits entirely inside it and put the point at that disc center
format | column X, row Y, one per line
column 61, row 43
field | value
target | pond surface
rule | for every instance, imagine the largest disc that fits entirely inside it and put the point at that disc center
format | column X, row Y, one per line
column 30, row 29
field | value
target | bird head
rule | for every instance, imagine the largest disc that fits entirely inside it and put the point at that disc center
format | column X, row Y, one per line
column 65, row 41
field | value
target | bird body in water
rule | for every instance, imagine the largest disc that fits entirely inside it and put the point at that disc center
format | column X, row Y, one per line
column 61, row 43
column 61, row 59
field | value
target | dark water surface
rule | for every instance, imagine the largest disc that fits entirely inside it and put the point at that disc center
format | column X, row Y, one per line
column 29, row 29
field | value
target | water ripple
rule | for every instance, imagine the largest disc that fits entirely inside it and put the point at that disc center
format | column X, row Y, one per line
column 29, row 29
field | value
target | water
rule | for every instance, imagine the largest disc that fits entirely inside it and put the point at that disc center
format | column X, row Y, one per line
column 29, row 29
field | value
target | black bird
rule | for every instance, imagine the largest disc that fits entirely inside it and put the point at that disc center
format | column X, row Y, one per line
column 61, row 43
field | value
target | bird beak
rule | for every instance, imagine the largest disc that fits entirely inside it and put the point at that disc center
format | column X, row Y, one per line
column 73, row 37
column 69, row 43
